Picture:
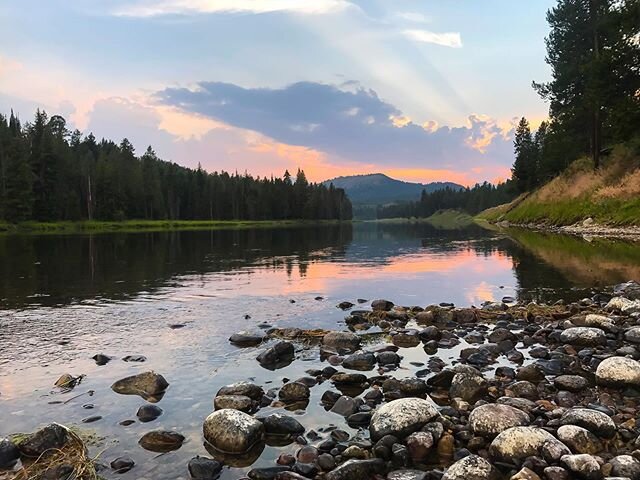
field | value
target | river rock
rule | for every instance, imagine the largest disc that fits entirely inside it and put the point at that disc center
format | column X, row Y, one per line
column 419, row 445
column 349, row 378
column 623, row 305
column 245, row 339
column 294, row 392
column 632, row 335
column 407, row 474
column 149, row 385
column 9, row 453
column 599, row 321
column 468, row 386
column 522, row 442
column 232, row 431
column 491, row 419
column 618, row 372
column 203, row 468
column 122, row 464
column 53, row 436
column 596, row 422
column 341, row 341
column 381, row 305
column 254, row 392
column 357, row 469
column 345, row 406
column 101, row 359
column 583, row 336
column 66, row 381
column 625, row 466
column 360, row 361
column 161, row 441
column 471, row 467
column 237, row 402
column 402, row 417
column 148, row 413
column 583, row 466
column 277, row 356
column 571, row 383
column 579, row 440
column 279, row 424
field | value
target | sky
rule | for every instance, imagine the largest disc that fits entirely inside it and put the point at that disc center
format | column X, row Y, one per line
column 422, row 90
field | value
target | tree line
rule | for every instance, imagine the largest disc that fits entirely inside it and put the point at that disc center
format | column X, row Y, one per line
column 471, row 200
column 48, row 173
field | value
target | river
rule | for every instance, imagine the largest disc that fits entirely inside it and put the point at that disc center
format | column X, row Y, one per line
column 176, row 297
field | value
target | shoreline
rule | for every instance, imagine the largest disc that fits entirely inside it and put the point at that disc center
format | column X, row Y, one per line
column 584, row 229
column 133, row 226
column 524, row 381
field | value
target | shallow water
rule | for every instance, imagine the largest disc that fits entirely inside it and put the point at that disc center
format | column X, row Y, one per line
column 64, row 299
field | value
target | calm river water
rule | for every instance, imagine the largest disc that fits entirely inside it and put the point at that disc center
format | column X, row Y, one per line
column 64, row 299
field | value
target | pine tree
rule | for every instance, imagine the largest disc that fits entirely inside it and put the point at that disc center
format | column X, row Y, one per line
column 525, row 170
column 594, row 55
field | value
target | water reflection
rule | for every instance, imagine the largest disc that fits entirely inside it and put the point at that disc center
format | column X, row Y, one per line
column 410, row 260
column 66, row 299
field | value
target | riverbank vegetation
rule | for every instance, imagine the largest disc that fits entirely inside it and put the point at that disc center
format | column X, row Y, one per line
column 49, row 174
column 97, row 226
column 609, row 195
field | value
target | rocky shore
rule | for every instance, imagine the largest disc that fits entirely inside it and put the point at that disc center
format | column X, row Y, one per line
column 502, row 391
column 587, row 228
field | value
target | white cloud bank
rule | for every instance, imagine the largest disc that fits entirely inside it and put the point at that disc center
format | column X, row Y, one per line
column 448, row 39
column 152, row 8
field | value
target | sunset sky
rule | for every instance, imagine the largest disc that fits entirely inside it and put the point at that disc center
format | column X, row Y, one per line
column 421, row 90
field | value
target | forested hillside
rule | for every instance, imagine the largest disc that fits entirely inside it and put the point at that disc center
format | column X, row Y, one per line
column 49, row 174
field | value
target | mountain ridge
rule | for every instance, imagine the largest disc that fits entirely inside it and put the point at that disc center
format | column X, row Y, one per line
column 379, row 188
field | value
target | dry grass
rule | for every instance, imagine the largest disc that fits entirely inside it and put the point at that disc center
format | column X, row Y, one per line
column 73, row 455
column 627, row 187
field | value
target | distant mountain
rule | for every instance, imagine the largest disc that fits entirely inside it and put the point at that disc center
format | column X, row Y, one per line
column 378, row 188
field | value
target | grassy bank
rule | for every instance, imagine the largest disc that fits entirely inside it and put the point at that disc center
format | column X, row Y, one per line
column 148, row 225
column 610, row 195
column 443, row 219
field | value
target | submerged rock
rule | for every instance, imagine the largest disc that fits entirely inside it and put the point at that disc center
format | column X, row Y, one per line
column 232, row 431
column 161, row 441
column 122, row 464
column 149, row 385
column 148, row 413
column 402, row 417
column 203, row 468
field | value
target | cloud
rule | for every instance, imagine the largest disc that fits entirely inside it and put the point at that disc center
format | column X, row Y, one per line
column 449, row 39
column 413, row 17
column 353, row 124
column 152, row 8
